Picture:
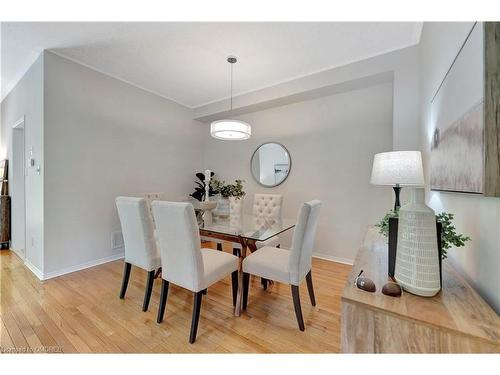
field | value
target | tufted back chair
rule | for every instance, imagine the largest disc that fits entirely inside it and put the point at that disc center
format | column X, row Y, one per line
column 235, row 212
column 303, row 241
column 137, row 229
column 266, row 209
column 150, row 197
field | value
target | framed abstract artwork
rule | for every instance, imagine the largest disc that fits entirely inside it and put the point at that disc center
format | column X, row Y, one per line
column 464, row 146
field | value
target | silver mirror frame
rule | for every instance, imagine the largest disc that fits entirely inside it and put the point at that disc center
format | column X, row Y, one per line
column 289, row 168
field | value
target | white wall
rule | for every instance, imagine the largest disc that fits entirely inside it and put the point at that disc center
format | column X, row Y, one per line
column 331, row 141
column 26, row 99
column 106, row 138
column 476, row 216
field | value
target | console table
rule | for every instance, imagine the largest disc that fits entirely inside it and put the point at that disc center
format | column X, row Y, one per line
column 456, row 320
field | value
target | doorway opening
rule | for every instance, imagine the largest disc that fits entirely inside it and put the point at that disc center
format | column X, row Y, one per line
column 18, row 190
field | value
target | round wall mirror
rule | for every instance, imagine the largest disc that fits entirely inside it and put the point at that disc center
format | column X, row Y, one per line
column 270, row 164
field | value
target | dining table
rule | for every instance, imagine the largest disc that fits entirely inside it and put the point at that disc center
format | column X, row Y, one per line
column 245, row 230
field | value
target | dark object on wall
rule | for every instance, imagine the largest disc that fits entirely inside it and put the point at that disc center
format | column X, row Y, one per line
column 4, row 176
column 392, row 289
column 4, row 204
column 491, row 109
column 4, row 221
column 393, row 244
column 364, row 283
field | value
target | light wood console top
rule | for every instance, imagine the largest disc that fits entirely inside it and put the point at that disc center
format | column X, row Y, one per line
column 457, row 319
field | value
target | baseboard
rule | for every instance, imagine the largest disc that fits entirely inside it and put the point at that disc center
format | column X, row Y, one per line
column 33, row 269
column 332, row 258
column 82, row 266
column 78, row 267
column 19, row 253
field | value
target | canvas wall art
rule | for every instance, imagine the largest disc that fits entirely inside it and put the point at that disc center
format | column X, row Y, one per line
column 457, row 115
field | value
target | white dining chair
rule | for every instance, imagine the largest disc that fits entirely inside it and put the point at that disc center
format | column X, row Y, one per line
column 266, row 211
column 150, row 197
column 288, row 266
column 139, row 240
column 184, row 263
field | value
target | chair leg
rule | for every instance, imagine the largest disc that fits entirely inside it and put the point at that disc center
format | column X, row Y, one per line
column 126, row 276
column 149, row 290
column 219, row 246
column 234, row 285
column 296, row 305
column 163, row 300
column 196, row 316
column 158, row 273
column 310, row 288
column 246, row 285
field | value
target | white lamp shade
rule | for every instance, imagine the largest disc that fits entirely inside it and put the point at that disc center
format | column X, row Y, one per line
column 398, row 167
column 231, row 130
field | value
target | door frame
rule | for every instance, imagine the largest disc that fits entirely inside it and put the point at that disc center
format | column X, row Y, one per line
column 19, row 125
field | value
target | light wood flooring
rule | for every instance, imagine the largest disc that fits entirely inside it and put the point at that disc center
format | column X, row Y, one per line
column 81, row 312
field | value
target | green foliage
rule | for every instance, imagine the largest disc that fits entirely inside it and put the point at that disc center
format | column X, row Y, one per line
column 449, row 236
column 228, row 190
column 383, row 225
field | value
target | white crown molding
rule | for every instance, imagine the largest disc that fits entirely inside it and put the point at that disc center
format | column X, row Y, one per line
column 117, row 78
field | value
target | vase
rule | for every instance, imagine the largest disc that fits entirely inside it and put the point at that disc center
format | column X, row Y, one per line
column 222, row 209
column 417, row 256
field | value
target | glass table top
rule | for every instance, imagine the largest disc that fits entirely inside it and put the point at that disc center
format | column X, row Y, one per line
column 251, row 227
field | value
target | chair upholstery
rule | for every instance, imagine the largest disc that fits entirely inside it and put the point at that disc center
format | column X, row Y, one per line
column 150, row 197
column 183, row 262
column 138, row 235
column 267, row 208
column 235, row 211
column 288, row 266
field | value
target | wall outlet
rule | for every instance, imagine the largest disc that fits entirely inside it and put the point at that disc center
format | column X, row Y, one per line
column 116, row 240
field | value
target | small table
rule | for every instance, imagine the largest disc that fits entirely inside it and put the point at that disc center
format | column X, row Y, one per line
column 242, row 231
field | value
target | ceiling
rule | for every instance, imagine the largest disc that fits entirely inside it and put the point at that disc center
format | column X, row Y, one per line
column 186, row 62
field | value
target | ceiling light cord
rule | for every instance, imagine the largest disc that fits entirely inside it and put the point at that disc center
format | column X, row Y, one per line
column 231, row 87
column 227, row 129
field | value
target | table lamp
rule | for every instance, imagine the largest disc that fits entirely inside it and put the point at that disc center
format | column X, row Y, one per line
column 397, row 169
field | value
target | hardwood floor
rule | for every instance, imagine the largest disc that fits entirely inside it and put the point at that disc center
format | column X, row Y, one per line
column 81, row 312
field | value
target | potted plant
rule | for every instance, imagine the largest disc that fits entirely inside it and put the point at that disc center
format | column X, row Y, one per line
column 227, row 191
column 449, row 236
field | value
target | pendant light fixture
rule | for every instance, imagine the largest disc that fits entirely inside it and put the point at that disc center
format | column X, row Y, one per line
column 230, row 130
